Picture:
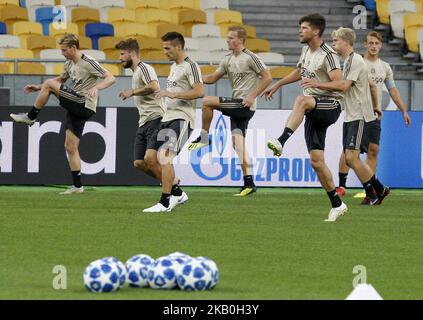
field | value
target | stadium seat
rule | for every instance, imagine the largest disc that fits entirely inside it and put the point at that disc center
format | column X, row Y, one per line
column 84, row 43
column 22, row 3
column 9, row 41
column 152, row 15
column 207, row 56
column 370, row 4
column 180, row 4
column 420, row 35
column 16, row 54
column 162, row 70
column 135, row 4
column 251, row 30
column 83, row 16
column 58, row 68
column 397, row 9
column 154, row 56
column 51, row 54
column 419, row 6
column 213, row 44
column 33, row 5
column 36, row 43
column 412, row 22
column 5, row 3
column 382, row 9
column 188, row 18
column 97, row 30
column 73, row 4
column 149, row 43
column 227, row 17
column 130, row 29
column 271, row 57
column 208, row 69
column 3, row 28
column 120, row 15
column 114, row 69
column 280, row 72
column 4, row 68
column 26, row 28
column 192, row 44
column 258, row 45
column 31, row 68
column 105, row 5
column 160, row 29
column 12, row 14
column 64, row 29
column 205, row 31
column 214, row 4
column 45, row 16
column 108, row 43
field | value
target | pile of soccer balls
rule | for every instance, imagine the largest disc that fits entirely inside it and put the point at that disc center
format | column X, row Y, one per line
column 177, row 270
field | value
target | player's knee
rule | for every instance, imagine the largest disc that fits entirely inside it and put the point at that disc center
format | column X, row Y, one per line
column 139, row 164
column 150, row 160
column 302, row 102
column 350, row 160
column 49, row 83
column 373, row 151
column 317, row 163
column 71, row 147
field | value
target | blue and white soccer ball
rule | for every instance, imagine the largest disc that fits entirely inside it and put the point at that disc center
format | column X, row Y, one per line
column 121, row 267
column 102, row 275
column 196, row 275
column 137, row 268
column 163, row 273
column 214, row 270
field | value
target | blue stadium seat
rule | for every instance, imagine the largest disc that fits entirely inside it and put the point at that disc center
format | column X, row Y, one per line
column 22, row 3
column 370, row 4
column 45, row 15
column 97, row 30
column 3, row 28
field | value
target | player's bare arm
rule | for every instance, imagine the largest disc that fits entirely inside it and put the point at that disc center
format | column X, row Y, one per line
column 375, row 98
column 265, row 81
column 108, row 81
column 396, row 96
column 336, row 83
column 195, row 93
column 294, row 76
column 150, row 88
column 212, row 78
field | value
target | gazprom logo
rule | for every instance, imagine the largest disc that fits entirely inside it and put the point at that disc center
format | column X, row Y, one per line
column 220, row 138
column 220, row 135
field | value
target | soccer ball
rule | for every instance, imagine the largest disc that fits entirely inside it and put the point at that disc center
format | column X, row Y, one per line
column 196, row 275
column 102, row 275
column 162, row 273
column 214, row 270
column 138, row 267
column 121, row 267
column 180, row 259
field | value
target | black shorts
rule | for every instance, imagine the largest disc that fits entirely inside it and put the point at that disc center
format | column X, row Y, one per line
column 240, row 116
column 318, row 120
column 353, row 134
column 77, row 114
column 172, row 135
column 146, row 138
column 372, row 131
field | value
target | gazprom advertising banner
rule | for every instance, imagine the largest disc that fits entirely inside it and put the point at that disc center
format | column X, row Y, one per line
column 218, row 164
column 35, row 155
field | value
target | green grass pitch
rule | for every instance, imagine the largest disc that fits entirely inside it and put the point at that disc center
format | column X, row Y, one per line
column 272, row 245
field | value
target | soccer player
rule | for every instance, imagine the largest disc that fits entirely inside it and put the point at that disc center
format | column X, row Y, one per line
column 184, row 86
column 88, row 78
column 321, row 107
column 381, row 73
column 360, row 107
column 248, row 77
